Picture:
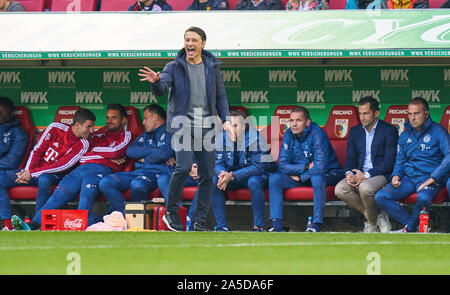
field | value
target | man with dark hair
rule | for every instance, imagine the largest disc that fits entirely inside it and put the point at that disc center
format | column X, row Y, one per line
column 368, row 164
column 152, row 152
column 306, row 159
column 12, row 150
column 197, row 96
column 421, row 166
column 57, row 151
column 106, row 155
column 245, row 163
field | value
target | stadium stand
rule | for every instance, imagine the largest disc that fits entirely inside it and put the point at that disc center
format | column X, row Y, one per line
column 116, row 5
column 70, row 5
column 232, row 3
column 337, row 4
column 179, row 4
column 436, row 3
column 397, row 115
column 33, row 5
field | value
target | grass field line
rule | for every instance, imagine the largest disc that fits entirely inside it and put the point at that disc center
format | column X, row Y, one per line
column 230, row 245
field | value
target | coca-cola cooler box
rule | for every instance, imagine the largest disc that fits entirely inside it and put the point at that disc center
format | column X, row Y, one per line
column 64, row 220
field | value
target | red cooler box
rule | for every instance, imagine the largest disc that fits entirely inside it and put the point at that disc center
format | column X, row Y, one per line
column 64, row 220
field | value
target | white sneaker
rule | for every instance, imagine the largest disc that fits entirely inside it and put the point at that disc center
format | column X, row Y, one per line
column 399, row 231
column 368, row 228
column 383, row 222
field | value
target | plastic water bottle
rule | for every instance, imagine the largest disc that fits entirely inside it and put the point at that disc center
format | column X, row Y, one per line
column 188, row 223
column 423, row 225
column 309, row 224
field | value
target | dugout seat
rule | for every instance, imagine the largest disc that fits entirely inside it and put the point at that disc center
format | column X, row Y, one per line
column 439, row 199
column 116, row 5
column 337, row 127
column 445, row 120
column 337, row 4
column 24, row 193
column 23, row 114
column 233, row 3
column 397, row 115
column 71, row 6
column 179, row 4
column 340, row 120
column 33, row 5
column 279, row 123
column 134, row 125
column 64, row 114
column 436, row 3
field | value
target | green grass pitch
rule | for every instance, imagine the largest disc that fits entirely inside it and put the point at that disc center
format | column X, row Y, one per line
column 232, row 253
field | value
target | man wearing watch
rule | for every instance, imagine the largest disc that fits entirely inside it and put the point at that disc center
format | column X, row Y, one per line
column 371, row 150
column 244, row 163
column 421, row 166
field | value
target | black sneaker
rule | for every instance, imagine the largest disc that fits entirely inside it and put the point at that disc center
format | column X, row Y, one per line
column 200, row 227
column 173, row 222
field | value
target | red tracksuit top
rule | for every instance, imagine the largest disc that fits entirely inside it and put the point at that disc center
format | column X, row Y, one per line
column 57, row 150
column 108, row 145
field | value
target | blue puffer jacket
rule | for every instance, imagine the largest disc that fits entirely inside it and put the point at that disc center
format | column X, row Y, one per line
column 13, row 144
column 175, row 77
column 296, row 153
column 421, row 154
column 253, row 155
column 155, row 148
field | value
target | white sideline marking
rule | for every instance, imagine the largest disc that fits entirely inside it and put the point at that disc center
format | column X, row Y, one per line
column 145, row 246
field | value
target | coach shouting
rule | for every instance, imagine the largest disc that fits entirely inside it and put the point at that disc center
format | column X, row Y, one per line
column 197, row 95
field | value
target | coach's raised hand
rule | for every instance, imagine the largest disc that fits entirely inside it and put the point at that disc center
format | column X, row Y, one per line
column 149, row 75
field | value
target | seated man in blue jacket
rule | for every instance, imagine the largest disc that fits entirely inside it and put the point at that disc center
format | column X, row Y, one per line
column 306, row 159
column 14, row 142
column 244, row 163
column 421, row 166
column 152, row 151
column 371, row 150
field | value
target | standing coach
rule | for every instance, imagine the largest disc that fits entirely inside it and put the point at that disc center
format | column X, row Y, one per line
column 196, row 96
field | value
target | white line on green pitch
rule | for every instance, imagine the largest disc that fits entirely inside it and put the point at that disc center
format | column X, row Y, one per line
column 27, row 248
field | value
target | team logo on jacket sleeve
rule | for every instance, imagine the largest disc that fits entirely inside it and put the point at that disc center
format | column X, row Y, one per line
column 341, row 127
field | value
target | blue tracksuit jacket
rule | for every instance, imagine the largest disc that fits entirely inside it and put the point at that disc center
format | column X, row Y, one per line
column 13, row 144
column 155, row 148
column 421, row 154
column 175, row 76
column 296, row 153
column 253, row 155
